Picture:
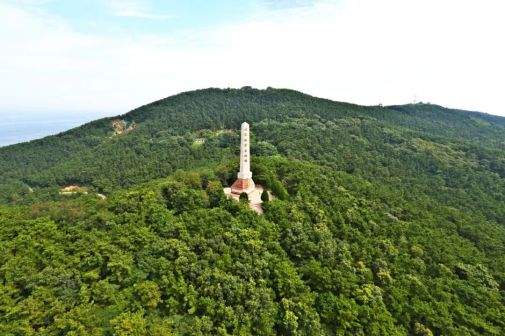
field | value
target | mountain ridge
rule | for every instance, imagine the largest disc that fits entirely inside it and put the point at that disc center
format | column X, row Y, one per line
column 217, row 109
column 495, row 119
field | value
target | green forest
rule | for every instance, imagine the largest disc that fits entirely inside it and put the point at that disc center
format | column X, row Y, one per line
column 385, row 220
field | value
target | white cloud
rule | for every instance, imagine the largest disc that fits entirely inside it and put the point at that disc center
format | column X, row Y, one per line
column 134, row 8
column 447, row 52
column 286, row 4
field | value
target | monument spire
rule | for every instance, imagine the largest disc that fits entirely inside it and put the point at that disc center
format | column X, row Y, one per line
column 244, row 182
column 245, row 157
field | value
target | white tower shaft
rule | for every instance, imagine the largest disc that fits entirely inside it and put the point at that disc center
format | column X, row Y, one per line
column 245, row 156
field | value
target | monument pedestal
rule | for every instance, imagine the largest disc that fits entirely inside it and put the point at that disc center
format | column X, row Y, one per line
column 244, row 182
column 242, row 185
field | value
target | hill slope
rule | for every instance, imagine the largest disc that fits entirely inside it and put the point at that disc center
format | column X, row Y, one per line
column 387, row 221
column 354, row 138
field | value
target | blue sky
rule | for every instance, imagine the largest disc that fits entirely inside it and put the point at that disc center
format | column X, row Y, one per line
column 137, row 17
column 120, row 17
column 104, row 57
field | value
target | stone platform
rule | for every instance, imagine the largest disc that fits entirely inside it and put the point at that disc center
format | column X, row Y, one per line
column 254, row 197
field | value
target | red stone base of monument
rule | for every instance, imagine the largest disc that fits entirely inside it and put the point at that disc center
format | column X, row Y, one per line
column 242, row 185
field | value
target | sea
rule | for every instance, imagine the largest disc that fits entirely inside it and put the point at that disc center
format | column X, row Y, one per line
column 22, row 127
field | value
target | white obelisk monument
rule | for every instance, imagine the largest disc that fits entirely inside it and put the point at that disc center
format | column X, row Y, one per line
column 244, row 182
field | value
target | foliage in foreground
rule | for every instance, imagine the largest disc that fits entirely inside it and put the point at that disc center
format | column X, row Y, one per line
column 177, row 257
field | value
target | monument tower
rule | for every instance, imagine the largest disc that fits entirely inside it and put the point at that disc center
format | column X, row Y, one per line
column 244, row 182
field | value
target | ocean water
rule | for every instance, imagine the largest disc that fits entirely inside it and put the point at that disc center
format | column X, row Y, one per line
column 20, row 128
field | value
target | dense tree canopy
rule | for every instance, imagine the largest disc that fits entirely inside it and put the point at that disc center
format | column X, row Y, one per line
column 384, row 221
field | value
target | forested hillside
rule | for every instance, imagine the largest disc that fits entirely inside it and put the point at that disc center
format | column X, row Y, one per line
column 385, row 221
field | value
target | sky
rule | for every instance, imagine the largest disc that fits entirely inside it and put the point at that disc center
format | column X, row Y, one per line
column 106, row 57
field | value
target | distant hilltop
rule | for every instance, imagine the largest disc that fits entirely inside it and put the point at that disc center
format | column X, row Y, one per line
column 182, row 130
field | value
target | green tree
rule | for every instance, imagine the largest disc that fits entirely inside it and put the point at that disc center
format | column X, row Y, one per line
column 130, row 324
column 264, row 196
column 148, row 294
column 279, row 190
column 244, row 198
